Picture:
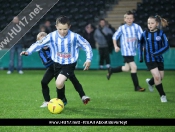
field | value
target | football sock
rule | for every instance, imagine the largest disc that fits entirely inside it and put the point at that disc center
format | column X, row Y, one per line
column 61, row 93
column 151, row 81
column 78, row 87
column 45, row 91
column 117, row 69
column 160, row 89
column 135, row 80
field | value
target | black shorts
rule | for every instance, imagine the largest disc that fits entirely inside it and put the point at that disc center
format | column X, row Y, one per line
column 152, row 65
column 66, row 70
column 128, row 59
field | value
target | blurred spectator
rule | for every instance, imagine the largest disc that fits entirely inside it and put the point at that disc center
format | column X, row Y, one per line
column 48, row 26
column 88, row 34
column 113, row 30
column 102, row 36
column 42, row 28
column 16, row 49
column 109, row 26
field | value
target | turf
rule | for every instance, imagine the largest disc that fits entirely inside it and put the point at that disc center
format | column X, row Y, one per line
column 21, row 97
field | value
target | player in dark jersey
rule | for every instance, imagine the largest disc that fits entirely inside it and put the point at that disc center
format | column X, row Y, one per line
column 153, row 44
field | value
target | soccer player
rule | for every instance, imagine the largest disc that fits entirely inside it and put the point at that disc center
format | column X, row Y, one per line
column 44, row 54
column 129, row 34
column 154, row 43
column 64, row 48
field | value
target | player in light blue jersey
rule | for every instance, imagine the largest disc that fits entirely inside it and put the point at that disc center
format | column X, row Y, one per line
column 64, row 49
column 129, row 35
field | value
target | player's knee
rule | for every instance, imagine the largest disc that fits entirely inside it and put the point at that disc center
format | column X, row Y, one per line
column 134, row 68
column 59, row 85
column 43, row 82
column 126, row 68
column 157, row 78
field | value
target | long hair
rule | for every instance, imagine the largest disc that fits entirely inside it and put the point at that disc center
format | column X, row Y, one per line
column 161, row 21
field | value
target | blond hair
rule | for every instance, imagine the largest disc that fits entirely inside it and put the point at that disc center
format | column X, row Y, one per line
column 162, row 21
column 41, row 35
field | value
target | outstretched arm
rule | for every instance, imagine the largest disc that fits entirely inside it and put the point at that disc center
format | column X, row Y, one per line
column 24, row 53
column 84, row 44
column 115, row 37
column 37, row 46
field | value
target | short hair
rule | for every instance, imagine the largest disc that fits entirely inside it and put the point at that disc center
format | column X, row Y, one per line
column 63, row 20
column 41, row 34
column 129, row 13
column 102, row 19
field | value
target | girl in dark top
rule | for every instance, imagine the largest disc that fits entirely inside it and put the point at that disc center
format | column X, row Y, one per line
column 153, row 44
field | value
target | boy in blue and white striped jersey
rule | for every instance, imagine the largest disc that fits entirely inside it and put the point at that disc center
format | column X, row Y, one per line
column 129, row 34
column 64, row 48
column 44, row 54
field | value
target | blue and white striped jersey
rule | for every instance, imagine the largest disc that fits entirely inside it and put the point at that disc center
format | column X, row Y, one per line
column 64, row 50
column 129, row 36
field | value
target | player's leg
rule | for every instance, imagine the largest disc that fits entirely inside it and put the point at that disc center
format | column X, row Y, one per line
column 118, row 69
column 125, row 68
column 11, row 62
column 101, row 55
column 134, row 77
column 107, row 57
column 19, row 67
column 63, row 72
column 161, row 74
column 78, row 87
column 61, row 89
column 64, row 99
column 163, row 97
column 60, row 84
column 150, row 82
column 158, row 84
column 158, row 74
column 48, row 76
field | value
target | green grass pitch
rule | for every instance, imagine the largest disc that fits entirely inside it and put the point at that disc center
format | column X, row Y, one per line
column 21, row 97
